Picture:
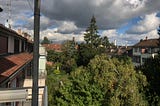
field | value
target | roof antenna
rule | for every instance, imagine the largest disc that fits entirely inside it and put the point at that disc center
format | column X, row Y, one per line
column 8, row 21
column 7, row 24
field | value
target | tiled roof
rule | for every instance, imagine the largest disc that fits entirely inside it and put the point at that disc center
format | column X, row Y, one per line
column 10, row 64
column 148, row 43
column 56, row 47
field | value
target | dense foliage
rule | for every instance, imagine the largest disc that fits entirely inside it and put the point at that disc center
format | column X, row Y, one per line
column 104, row 81
column 45, row 41
column 151, row 70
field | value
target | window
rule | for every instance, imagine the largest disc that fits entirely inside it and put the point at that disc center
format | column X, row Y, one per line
column 146, row 50
column 16, row 46
column 136, row 59
column 144, row 60
column 135, row 49
column 23, row 46
column 29, row 69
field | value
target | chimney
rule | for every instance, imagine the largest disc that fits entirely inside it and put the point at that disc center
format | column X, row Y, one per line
column 7, row 24
column 19, row 31
column 115, row 42
column 73, row 39
column 126, row 44
column 146, row 38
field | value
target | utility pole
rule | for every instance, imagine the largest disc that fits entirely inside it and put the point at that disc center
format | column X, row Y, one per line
column 35, row 90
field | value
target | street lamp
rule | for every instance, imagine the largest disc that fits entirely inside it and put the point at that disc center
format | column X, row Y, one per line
column 1, row 9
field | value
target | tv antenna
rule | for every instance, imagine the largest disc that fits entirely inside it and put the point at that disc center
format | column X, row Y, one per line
column 8, row 21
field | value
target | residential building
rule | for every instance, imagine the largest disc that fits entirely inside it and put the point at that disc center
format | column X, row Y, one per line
column 16, row 66
column 144, row 49
column 15, row 58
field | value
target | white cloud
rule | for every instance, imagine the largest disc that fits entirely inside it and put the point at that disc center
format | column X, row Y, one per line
column 67, row 26
column 59, row 37
column 131, row 39
column 147, row 24
column 110, row 33
column 135, row 3
column 134, row 38
column 98, row 2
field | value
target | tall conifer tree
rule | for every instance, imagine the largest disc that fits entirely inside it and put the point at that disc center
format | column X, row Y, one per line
column 91, row 35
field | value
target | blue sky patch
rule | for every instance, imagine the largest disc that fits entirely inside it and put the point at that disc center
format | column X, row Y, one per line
column 130, row 24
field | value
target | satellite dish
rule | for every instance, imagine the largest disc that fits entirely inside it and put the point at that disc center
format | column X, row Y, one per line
column 1, row 9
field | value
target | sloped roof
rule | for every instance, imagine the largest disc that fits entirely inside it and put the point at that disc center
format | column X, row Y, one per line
column 10, row 64
column 56, row 47
column 148, row 43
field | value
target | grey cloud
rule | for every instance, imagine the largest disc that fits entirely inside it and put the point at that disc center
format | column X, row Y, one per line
column 109, row 14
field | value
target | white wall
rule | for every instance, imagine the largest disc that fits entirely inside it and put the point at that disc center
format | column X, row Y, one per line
column 42, row 61
column 10, row 44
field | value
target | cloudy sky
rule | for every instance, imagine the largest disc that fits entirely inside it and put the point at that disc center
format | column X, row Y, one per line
column 126, row 21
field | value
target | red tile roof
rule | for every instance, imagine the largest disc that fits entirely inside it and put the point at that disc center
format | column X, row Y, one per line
column 148, row 43
column 56, row 47
column 10, row 64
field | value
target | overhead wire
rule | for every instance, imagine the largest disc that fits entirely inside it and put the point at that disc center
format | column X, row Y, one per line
column 9, row 9
column 29, row 3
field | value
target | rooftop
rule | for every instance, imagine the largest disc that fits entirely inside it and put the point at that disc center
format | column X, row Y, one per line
column 10, row 64
column 56, row 47
column 148, row 43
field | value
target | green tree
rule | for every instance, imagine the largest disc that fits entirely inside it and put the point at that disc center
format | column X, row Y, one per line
column 152, row 71
column 45, row 41
column 105, row 81
column 54, row 56
column 91, row 35
column 105, row 42
column 85, row 54
column 69, row 49
column 122, row 85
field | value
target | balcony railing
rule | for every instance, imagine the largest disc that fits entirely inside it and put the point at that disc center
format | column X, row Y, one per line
column 23, row 96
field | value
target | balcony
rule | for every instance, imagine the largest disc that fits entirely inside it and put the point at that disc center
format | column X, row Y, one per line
column 23, row 96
